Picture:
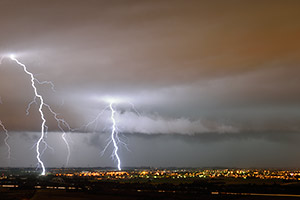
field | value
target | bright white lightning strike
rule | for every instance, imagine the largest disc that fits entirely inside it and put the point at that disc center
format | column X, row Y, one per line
column 114, row 135
column 37, row 95
column 43, row 125
column 114, row 138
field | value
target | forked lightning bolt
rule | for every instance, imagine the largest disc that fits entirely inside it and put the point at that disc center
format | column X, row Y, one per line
column 43, row 125
column 37, row 95
column 62, row 124
column 114, row 131
column 114, row 135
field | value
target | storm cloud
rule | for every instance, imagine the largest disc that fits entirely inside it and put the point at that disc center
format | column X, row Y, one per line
column 196, row 71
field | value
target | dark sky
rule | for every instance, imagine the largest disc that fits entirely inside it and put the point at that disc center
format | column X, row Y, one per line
column 216, row 82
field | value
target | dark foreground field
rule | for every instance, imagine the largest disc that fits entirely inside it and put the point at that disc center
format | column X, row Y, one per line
column 203, row 190
column 64, row 195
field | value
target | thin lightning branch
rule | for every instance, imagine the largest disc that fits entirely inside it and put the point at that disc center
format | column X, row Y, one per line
column 134, row 109
column 106, row 146
column 60, row 124
column 29, row 105
column 91, row 122
column 5, row 140
column 123, row 143
column 46, row 145
column 46, row 82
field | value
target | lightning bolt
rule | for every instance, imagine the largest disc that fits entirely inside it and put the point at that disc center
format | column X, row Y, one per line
column 114, row 135
column 42, row 105
column 5, row 139
column 62, row 123
column 40, row 97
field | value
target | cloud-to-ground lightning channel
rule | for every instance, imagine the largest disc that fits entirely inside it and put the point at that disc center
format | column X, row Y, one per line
column 42, row 105
column 114, row 131
column 37, row 95
column 6, row 139
column 114, row 135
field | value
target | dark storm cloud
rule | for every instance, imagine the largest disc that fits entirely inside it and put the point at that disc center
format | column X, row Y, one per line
column 152, row 45
column 206, row 138
column 214, row 70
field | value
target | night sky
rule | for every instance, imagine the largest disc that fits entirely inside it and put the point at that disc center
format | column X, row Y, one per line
column 216, row 83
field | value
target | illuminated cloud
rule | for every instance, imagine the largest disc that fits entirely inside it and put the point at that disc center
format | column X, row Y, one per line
column 131, row 123
column 194, row 69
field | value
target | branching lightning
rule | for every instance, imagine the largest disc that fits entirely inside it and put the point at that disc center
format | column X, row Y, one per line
column 61, row 122
column 37, row 95
column 114, row 135
column 41, row 144
column 114, row 131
